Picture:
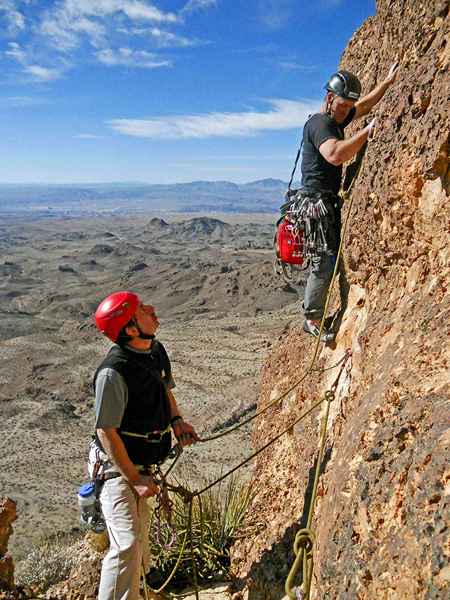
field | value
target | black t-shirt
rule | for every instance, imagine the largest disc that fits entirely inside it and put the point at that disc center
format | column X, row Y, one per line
column 317, row 173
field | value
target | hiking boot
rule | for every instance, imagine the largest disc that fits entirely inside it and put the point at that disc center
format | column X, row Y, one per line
column 311, row 328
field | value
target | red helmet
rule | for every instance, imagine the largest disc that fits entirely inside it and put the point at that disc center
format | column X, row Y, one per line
column 115, row 312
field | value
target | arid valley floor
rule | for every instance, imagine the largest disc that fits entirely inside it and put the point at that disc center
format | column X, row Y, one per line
column 221, row 309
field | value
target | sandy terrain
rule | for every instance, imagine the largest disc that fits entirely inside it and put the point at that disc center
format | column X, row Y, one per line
column 221, row 310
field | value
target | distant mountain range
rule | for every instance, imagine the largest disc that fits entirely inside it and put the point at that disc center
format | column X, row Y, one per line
column 264, row 195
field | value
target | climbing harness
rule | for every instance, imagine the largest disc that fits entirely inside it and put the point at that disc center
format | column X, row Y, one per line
column 305, row 538
column 152, row 437
column 302, row 231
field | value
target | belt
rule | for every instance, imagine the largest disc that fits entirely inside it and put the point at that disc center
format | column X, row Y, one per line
column 114, row 474
column 110, row 475
column 153, row 437
column 316, row 193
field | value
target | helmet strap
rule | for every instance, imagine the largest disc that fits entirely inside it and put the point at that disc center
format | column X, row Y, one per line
column 142, row 335
column 329, row 105
column 145, row 336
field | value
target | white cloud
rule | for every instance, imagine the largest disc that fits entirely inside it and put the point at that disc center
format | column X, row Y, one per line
column 15, row 21
column 284, row 114
column 131, row 58
column 43, row 73
column 292, row 65
column 71, row 19
column 65, row 25
column 275, row 13
column 37, row 72
column 133, row 9
column 87, row 136
column 167, row 39
column 142, row 11
column 16, row 52
column 194, row 5
column 23, row 101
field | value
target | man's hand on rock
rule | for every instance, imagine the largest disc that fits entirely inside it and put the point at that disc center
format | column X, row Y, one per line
column 146, row 487
column 392, row 75
column 185, row 433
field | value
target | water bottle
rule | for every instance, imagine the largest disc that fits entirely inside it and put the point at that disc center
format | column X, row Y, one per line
column 90, row 511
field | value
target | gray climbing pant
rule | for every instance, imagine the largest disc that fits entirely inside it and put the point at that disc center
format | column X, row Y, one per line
column 321, row 272
column 127, row 519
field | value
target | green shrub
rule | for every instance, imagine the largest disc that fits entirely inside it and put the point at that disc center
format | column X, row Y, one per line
column 217, row 520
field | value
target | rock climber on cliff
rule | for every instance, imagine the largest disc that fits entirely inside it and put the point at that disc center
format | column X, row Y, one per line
column 324, row 152
column 135, row 413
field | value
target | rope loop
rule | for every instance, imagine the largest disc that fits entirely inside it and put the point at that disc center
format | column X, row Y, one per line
column 304, row 540
column 329, row 395
column 181, row 491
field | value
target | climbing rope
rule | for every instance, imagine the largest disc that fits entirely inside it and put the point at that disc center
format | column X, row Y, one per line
column 190, row 496
column 345, row 195
column 304, row 541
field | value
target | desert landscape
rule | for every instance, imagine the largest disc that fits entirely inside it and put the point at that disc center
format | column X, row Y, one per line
column 349, row 496
column 221, row 307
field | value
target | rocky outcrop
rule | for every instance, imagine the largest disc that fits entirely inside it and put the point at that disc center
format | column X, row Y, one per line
column 7, row 517
column 382, row 515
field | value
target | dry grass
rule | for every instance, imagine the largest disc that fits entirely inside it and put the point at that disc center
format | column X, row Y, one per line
column 48, row 562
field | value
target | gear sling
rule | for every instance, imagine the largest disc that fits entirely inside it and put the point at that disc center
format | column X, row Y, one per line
column 309, row 225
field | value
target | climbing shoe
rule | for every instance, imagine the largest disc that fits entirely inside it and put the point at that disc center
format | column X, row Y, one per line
column 311, row 328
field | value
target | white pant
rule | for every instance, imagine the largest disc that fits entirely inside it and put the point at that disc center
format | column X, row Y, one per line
column 127, row 520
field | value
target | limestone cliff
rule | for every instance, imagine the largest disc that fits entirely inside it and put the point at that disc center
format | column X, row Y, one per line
column 382, row 519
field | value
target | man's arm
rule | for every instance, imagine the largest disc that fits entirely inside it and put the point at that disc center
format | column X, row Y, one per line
column 366, row 103
column 337, row 151
column 184, row 432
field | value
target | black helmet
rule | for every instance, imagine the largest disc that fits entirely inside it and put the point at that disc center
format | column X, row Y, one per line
column 344, row 84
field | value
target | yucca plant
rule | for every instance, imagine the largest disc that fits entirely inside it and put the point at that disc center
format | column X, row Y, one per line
column 217, row 518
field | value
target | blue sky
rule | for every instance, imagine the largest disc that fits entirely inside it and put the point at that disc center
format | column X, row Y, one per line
column 163, row 90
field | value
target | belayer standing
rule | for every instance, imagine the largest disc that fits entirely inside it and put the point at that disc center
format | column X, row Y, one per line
column 135, row 412
column 324, row 152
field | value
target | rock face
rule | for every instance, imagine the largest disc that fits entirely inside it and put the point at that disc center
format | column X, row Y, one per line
column 7, row 517
column 382, row 514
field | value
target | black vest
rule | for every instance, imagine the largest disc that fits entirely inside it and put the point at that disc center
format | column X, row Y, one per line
column 146, row 376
